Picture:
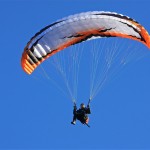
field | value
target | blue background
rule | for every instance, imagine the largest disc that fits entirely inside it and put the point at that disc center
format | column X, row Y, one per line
column 34, row 116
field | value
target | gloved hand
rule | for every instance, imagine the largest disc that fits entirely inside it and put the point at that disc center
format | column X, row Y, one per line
column 89, row 103
column 75, row 107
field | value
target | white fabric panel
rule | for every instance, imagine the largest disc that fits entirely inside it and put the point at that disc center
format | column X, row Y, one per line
column 44, row 43
column 40, row 49
column 56, row 35
column 36, row 53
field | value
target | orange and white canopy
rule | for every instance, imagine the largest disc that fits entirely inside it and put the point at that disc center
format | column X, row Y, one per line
column 78, row 28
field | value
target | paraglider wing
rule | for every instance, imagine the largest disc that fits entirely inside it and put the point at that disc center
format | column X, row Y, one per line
column 78, row 28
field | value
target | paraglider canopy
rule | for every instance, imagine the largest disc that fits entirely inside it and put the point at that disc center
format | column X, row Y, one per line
column 78, row 28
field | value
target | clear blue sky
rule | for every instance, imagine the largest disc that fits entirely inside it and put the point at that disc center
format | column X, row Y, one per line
column 34, row 116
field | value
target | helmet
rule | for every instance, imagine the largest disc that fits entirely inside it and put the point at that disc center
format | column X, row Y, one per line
column 82, row 105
